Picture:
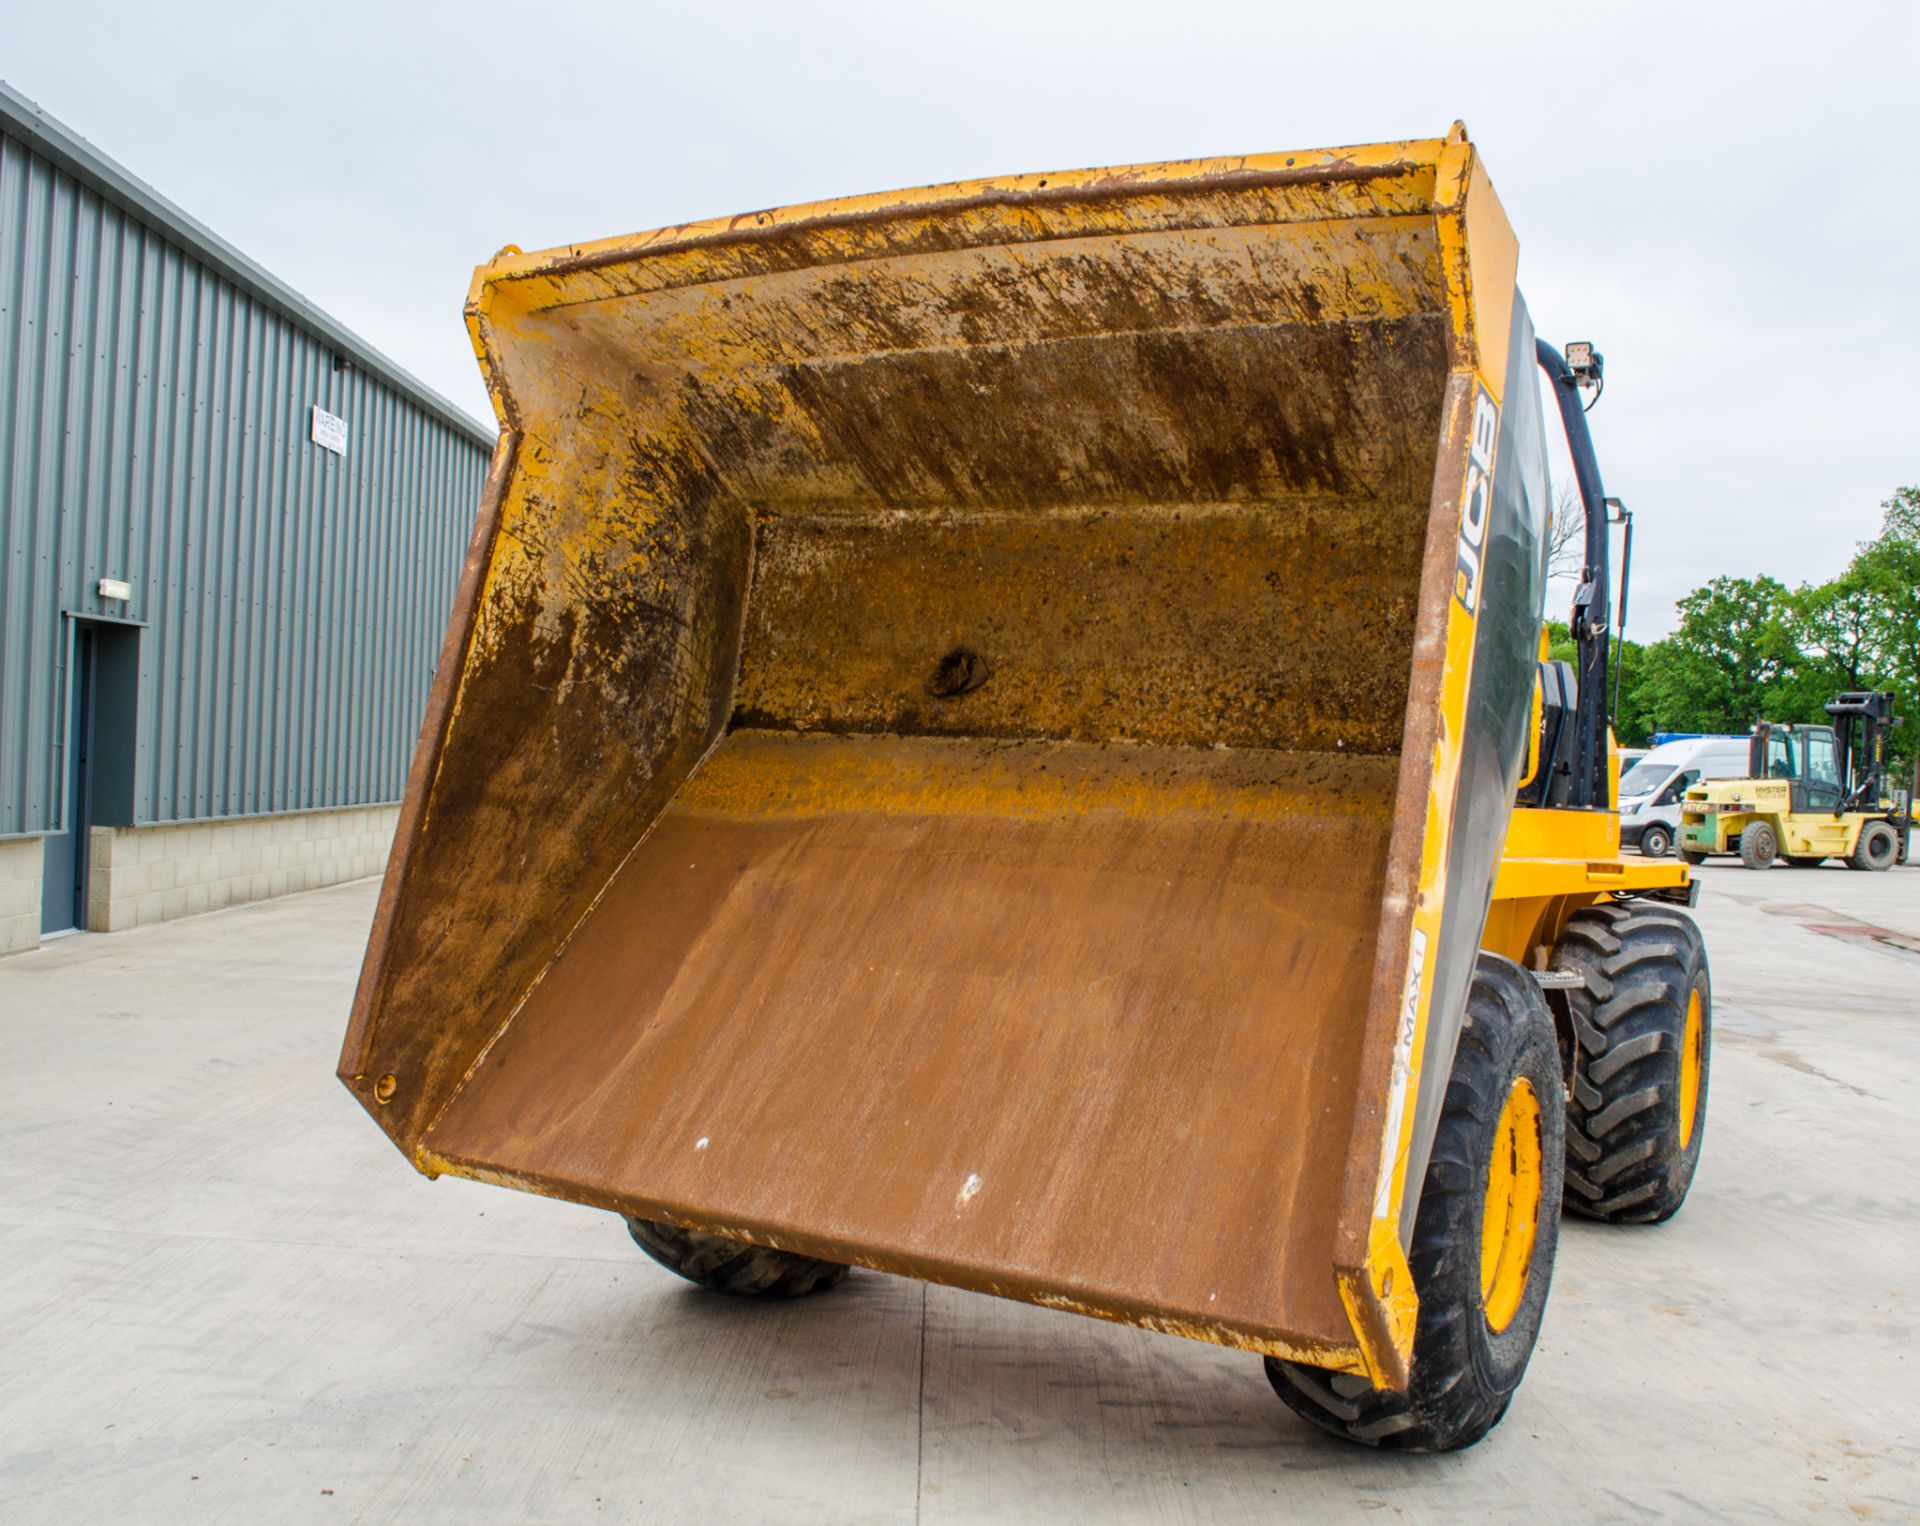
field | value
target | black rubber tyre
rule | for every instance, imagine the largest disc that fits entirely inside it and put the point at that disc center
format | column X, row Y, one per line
column 1692, row 858
column 733, row 1266
column 1877, row 847
column 1630, row 1154
column 1464, row 1371
column 1803, row 861
column 1656, row 842
column 1758, row 845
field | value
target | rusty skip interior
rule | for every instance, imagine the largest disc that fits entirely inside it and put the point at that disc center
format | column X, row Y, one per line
column 919, row 772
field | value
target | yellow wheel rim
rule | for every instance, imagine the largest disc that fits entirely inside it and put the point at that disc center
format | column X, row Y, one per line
column 1512, row 1217
column 1693, row 1057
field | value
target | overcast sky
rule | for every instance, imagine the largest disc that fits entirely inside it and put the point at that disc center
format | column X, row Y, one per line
column 1721, row 197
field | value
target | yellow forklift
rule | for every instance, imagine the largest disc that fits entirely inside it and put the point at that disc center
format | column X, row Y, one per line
column 1812, row 793
column 996, row 734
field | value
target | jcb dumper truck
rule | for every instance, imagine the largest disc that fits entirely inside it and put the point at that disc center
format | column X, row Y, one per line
column 998, row 734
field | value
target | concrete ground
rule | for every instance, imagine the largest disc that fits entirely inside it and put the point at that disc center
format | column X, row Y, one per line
column 224, row 1298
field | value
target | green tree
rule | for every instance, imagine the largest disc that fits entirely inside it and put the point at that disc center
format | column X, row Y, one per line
column 1887, row 570
column 1633, row 725
column 1832, row 636
column 1730, row 652
column 1834, row 626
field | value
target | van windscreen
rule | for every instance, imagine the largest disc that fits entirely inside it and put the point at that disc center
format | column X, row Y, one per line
column 1644, row 777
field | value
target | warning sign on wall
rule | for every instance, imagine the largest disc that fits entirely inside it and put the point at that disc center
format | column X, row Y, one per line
column 329, row 431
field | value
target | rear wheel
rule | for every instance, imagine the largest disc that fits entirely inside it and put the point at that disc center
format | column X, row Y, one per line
column 1483, row 1242
column 1804, row 861
column 1758, row 845
column 1656, row 842
column 1877, row 848
column 1692, row 857
column 1642, row 1023
column 733, row 1266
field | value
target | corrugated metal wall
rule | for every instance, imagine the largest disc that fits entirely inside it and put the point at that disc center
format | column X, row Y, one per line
column 154, row 422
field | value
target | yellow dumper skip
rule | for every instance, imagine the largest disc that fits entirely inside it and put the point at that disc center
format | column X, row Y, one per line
column 954, row 750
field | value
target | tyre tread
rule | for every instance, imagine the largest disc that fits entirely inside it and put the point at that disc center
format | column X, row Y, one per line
column 725, row 1265
column 1863, row 857
column 1759, row 845
column 1638, row 965
column 1459, row 1391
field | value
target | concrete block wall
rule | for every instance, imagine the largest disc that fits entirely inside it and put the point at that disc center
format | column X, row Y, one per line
column 138, row 875
column 20, row 873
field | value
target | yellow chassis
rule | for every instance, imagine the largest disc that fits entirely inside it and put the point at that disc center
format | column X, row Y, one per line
column 1554, row 863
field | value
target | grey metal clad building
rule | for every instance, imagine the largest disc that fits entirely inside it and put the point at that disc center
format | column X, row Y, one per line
column 230, row 530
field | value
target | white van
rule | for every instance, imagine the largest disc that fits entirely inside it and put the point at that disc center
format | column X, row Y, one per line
column 1650, row 791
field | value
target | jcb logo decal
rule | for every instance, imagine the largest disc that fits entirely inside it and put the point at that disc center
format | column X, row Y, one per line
column 1477, row 505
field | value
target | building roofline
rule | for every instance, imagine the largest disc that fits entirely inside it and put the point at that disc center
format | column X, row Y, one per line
column 54, row 141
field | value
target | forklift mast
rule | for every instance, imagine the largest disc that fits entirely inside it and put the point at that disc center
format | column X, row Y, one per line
column 1873, row 713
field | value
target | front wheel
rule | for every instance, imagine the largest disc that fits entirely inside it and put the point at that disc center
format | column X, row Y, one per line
column 1642, row 1020
column 1877, row 847
column 733, row 1266
column 1758, row 845
column 1483, row 1241
column 1656, row 842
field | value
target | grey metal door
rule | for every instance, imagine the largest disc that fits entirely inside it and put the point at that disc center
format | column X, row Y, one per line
column 63, row 891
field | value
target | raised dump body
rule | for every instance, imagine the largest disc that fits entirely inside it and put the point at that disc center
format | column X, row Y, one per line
column 954, row 727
